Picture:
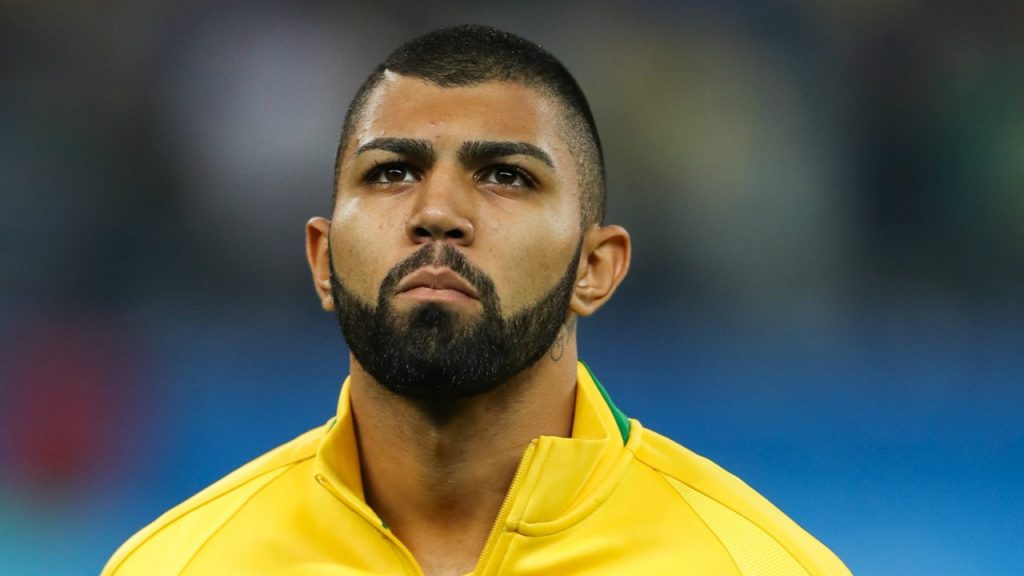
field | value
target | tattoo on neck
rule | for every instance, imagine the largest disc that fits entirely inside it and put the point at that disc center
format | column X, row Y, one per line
column 558, row 348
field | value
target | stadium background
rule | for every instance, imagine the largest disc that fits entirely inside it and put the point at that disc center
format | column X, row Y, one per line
column 826, row 200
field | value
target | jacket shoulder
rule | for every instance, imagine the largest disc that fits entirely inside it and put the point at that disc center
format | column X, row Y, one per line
column 170, row 541
column 759, row 537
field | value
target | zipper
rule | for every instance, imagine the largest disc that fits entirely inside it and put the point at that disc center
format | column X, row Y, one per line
column 506, row 507
column 407, row 556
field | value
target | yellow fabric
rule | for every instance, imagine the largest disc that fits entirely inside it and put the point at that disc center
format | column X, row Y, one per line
column 588, row 504
column 753, row 549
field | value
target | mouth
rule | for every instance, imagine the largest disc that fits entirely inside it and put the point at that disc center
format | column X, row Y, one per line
column 436, row 284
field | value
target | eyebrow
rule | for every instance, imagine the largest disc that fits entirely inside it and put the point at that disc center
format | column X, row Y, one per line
column 476, row 151
column 420, row 150
column 469, row 153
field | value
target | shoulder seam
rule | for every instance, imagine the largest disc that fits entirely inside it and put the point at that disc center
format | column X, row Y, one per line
column 276, row 471
column 280, row 472
column 665, row 475
column 662, row 476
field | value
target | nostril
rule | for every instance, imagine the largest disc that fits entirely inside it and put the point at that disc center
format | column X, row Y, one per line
column 427, row 232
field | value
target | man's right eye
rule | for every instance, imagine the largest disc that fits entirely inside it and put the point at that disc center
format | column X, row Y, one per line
column 391, row 174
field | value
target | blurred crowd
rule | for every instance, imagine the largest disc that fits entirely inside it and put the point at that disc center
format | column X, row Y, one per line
column 759, row 150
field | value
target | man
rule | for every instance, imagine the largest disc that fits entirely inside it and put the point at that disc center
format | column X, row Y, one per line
column 465, row 240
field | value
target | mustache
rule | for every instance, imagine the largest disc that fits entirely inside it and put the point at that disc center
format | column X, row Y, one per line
column 438, row 254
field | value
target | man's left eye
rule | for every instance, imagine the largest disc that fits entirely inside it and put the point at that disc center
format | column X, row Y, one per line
column 507, row 176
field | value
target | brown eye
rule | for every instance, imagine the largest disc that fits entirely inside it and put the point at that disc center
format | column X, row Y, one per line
column 395, row 174
column 509, row 176
column 505, row 177
column 392, row 174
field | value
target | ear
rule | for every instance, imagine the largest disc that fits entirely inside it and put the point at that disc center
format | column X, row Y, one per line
column 604, row 262
column 317, row 231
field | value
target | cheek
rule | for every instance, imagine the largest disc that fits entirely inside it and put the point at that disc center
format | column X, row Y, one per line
column 358, row 256
column 533, row 264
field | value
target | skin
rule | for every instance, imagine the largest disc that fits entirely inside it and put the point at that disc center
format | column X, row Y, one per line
column 439, row 481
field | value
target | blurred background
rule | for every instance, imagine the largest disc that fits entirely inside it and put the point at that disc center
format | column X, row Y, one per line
column 827, row 297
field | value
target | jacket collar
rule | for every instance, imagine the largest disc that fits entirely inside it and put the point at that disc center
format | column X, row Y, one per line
column 563, row 481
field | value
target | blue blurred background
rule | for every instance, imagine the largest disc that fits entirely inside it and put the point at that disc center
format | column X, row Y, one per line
column 827, row 298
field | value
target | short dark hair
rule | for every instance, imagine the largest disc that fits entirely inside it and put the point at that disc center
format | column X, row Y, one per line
column 470, row 54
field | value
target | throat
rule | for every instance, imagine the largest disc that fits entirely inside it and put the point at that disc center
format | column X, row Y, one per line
column 451, row 543
column 438, row 477
column 443, row 504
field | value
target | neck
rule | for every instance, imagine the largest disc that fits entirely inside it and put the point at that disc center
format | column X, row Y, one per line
column 437, row 474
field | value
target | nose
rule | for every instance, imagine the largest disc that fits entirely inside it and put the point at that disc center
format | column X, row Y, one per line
column 442, row 211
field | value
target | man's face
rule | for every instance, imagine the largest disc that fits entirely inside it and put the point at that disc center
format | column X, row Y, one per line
column 455, row 234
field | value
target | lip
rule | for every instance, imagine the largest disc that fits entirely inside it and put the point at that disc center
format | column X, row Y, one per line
column 437, row 281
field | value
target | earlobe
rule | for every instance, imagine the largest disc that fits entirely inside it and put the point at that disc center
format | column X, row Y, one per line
column 318, row 255
column 604, row 263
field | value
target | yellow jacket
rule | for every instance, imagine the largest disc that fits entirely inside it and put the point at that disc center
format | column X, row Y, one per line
column 614, row 499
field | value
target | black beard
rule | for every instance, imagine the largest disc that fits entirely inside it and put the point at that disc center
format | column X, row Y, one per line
column 427, row 354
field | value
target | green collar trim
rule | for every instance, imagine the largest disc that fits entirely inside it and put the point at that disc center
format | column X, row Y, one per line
column 620, row 419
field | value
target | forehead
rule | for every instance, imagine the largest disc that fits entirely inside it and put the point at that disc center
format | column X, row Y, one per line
column 401, row 106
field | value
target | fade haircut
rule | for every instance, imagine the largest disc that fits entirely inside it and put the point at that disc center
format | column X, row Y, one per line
column 470, row 55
